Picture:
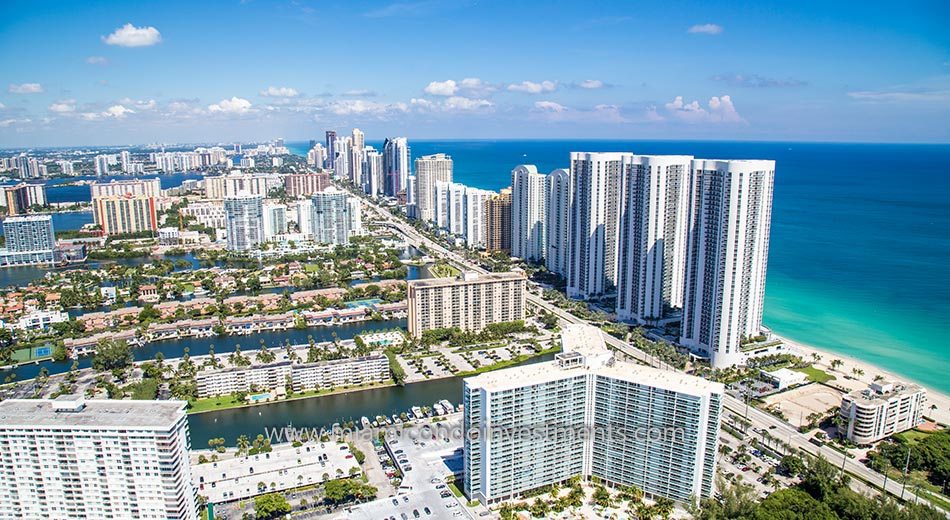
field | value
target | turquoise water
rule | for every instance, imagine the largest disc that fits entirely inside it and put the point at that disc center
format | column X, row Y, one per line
column 860, row 250
column 363, row 303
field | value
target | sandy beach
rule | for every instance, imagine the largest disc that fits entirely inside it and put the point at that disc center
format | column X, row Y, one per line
column 846, row 380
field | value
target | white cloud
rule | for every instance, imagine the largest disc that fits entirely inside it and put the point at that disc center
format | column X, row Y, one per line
column 97, row 60
column 530, row 87
column 65, row 106
column 442, row 88
column 2, row 106
column 117, row 111
column 549, row 106
column 280, row 92
column 90, row 116
column 465, row 104
column 25, row 88
column 706, row 28
column 344, row 107
column 10, row 122
column 720, row 109
column 450, row 104
column 423, row 104
column 149, row 104
column 901, row 96
column 651, row 114
column 130, row 36
column 476, row 87
column 235, row 105
column 591, row 84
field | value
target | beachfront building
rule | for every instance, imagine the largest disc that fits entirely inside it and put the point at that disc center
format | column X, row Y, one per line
column 498, row 222
column 116, row 188
column 305, row 184
column 587, row 414
column 558, row 222
column 22, row 197
column 30, row 239
column 70, row 458
column 460, row 210
column 396, row 165
column 449, row 212
column 727, row 253
column 330, row 221
column 653, row 243
column 476, row 202
column 124, row 214
column 597, row 201
column 372, row 175
column 470, row 302
column 299, row 376
column 529, row 206
column 881, row 410
column 245, row 215
column 430, row 169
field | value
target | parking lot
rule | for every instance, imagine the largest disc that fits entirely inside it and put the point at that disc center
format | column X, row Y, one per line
column 426, row 463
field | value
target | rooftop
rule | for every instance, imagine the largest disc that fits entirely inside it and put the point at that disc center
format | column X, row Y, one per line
column 30, row 218
column 75, row 412
column 467, row 278
column 879, row 392
column 587, row 342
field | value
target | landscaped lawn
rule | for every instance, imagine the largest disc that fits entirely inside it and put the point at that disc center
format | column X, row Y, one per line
column 913, row 436
column 816, row 375
column 443, row 271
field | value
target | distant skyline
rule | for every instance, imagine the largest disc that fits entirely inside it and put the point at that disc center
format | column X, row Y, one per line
column 113, row 73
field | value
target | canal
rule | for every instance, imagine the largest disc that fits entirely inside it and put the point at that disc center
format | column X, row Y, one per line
column 322, row 412
column 222, row 345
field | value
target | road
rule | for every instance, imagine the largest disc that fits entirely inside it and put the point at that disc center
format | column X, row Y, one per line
column 760, row 420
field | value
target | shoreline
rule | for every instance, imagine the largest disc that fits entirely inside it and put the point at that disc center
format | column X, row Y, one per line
column 388, row 384
column 845, row 378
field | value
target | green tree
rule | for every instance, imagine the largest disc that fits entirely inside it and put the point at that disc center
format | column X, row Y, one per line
column 271, row 505
column 792, row 465
column 112, row 354
column 793, row 504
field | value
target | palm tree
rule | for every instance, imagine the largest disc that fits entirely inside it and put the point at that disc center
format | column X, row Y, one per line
column 663, row 507
column 835, row 363
column 816, row 357
column 857, row 372
column 243, row 444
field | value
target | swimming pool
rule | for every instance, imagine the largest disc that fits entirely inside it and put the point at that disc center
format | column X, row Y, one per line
column 369, row 302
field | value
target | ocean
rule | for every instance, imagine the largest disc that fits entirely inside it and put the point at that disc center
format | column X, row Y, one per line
column 859, row 260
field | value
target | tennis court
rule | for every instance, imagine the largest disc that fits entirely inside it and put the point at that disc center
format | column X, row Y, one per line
column 24, row 355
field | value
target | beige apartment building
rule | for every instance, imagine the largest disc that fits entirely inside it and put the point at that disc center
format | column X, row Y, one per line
column 498, row 222
column 469, row 302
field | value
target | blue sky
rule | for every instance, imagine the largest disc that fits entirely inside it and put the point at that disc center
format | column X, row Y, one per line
column 91, row 72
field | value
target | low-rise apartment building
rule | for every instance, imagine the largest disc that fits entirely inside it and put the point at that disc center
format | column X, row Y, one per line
column 299, row 376
column 881, row 410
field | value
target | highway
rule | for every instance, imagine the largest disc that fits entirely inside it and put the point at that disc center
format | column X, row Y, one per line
column 760, row 420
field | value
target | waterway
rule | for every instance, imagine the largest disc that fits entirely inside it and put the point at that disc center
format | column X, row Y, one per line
column 322, row 412
column 82, row 193
column 223, row 345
